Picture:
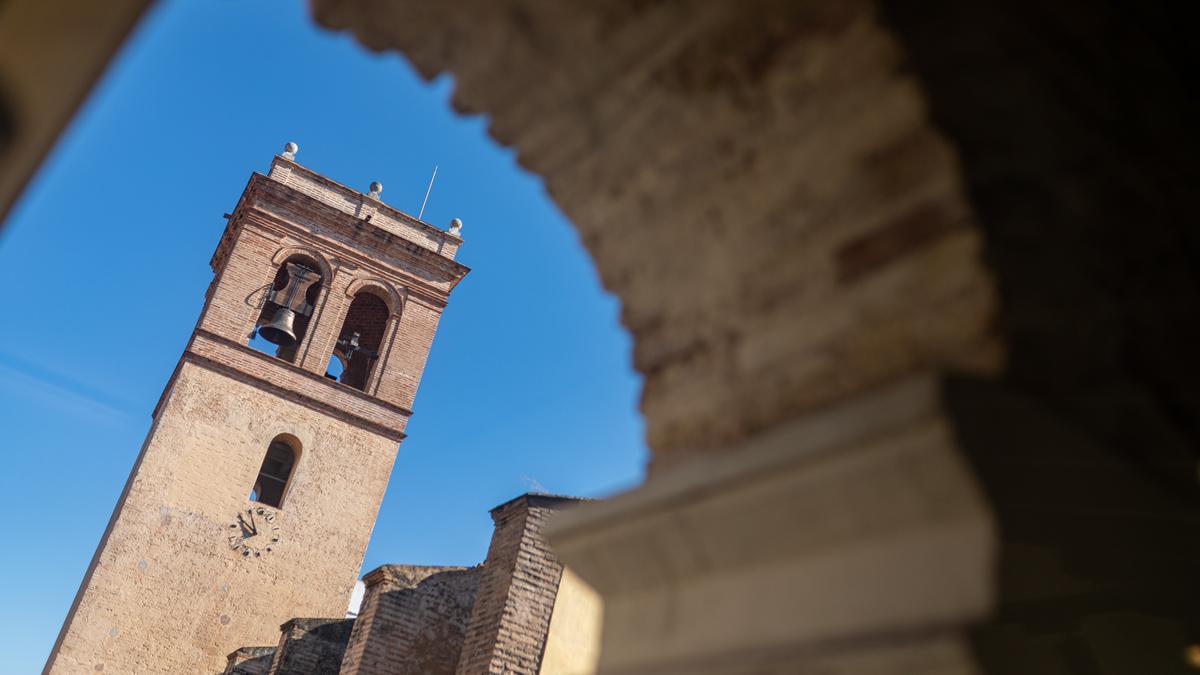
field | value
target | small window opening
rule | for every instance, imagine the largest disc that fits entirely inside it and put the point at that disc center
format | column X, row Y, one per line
column 358, row 342
column 272, row 480
column 287, row 308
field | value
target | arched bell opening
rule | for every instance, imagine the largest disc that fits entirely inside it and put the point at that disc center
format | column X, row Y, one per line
column 359, row 341
column 287, row 308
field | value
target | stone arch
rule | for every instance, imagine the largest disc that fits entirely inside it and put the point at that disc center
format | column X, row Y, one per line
column 286, row 252
column 369, row 322
column 384, row 291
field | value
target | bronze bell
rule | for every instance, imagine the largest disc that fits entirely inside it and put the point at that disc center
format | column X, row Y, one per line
column 281, row 329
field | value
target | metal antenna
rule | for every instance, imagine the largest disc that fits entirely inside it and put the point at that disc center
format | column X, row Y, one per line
column 426, row 200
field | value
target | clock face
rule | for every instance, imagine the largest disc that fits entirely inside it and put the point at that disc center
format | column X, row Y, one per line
column 254, row 532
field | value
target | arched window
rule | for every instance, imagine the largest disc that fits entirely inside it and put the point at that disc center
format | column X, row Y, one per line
column 287, row 308
column 358, row 342
column 271, row 484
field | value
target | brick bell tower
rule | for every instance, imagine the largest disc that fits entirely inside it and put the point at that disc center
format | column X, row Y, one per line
column 258, row 484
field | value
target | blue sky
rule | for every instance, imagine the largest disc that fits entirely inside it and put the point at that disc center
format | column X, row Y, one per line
column 104, row 264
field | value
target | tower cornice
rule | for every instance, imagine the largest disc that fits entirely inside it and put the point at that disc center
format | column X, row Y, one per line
column 292, row 382
column 272, row 202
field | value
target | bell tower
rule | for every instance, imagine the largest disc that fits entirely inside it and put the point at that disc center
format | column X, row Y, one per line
column 256, row 489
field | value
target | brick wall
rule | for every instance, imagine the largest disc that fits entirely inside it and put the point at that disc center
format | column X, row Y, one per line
column 402, row 368
column 351, row 201
column 274, row 222
column 412, row 621
column 295, row 384
column 367, row 316
column 511, row 617
column 249, row 270
column 311, row 647
column 169, row 538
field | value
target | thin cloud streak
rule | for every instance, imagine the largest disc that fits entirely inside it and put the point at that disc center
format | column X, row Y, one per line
column 77, row 401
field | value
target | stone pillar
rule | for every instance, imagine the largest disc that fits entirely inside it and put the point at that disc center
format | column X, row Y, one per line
column 395, row 377
column 323, row 331
column 412, row 621
column 517, row 589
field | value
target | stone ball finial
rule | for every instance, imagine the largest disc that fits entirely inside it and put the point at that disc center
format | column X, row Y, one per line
column 290, row 150
column 456, row 227
column 376, row 189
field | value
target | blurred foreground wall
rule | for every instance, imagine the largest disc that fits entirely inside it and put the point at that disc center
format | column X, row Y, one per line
column 51, row 53
column 914, row 293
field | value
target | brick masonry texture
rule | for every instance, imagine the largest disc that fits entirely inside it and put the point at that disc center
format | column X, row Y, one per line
column 350, row 201
column 167, row 593
column 250, row 661
column 311, row 647
column 515, row 600
column 272, row 221
column 169, row 537
column 412, row 621
column 492, row 618
column 294, row 384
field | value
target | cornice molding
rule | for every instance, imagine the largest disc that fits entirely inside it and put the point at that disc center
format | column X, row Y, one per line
column 318, row 393
column 321, row 214
column 853, row 523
